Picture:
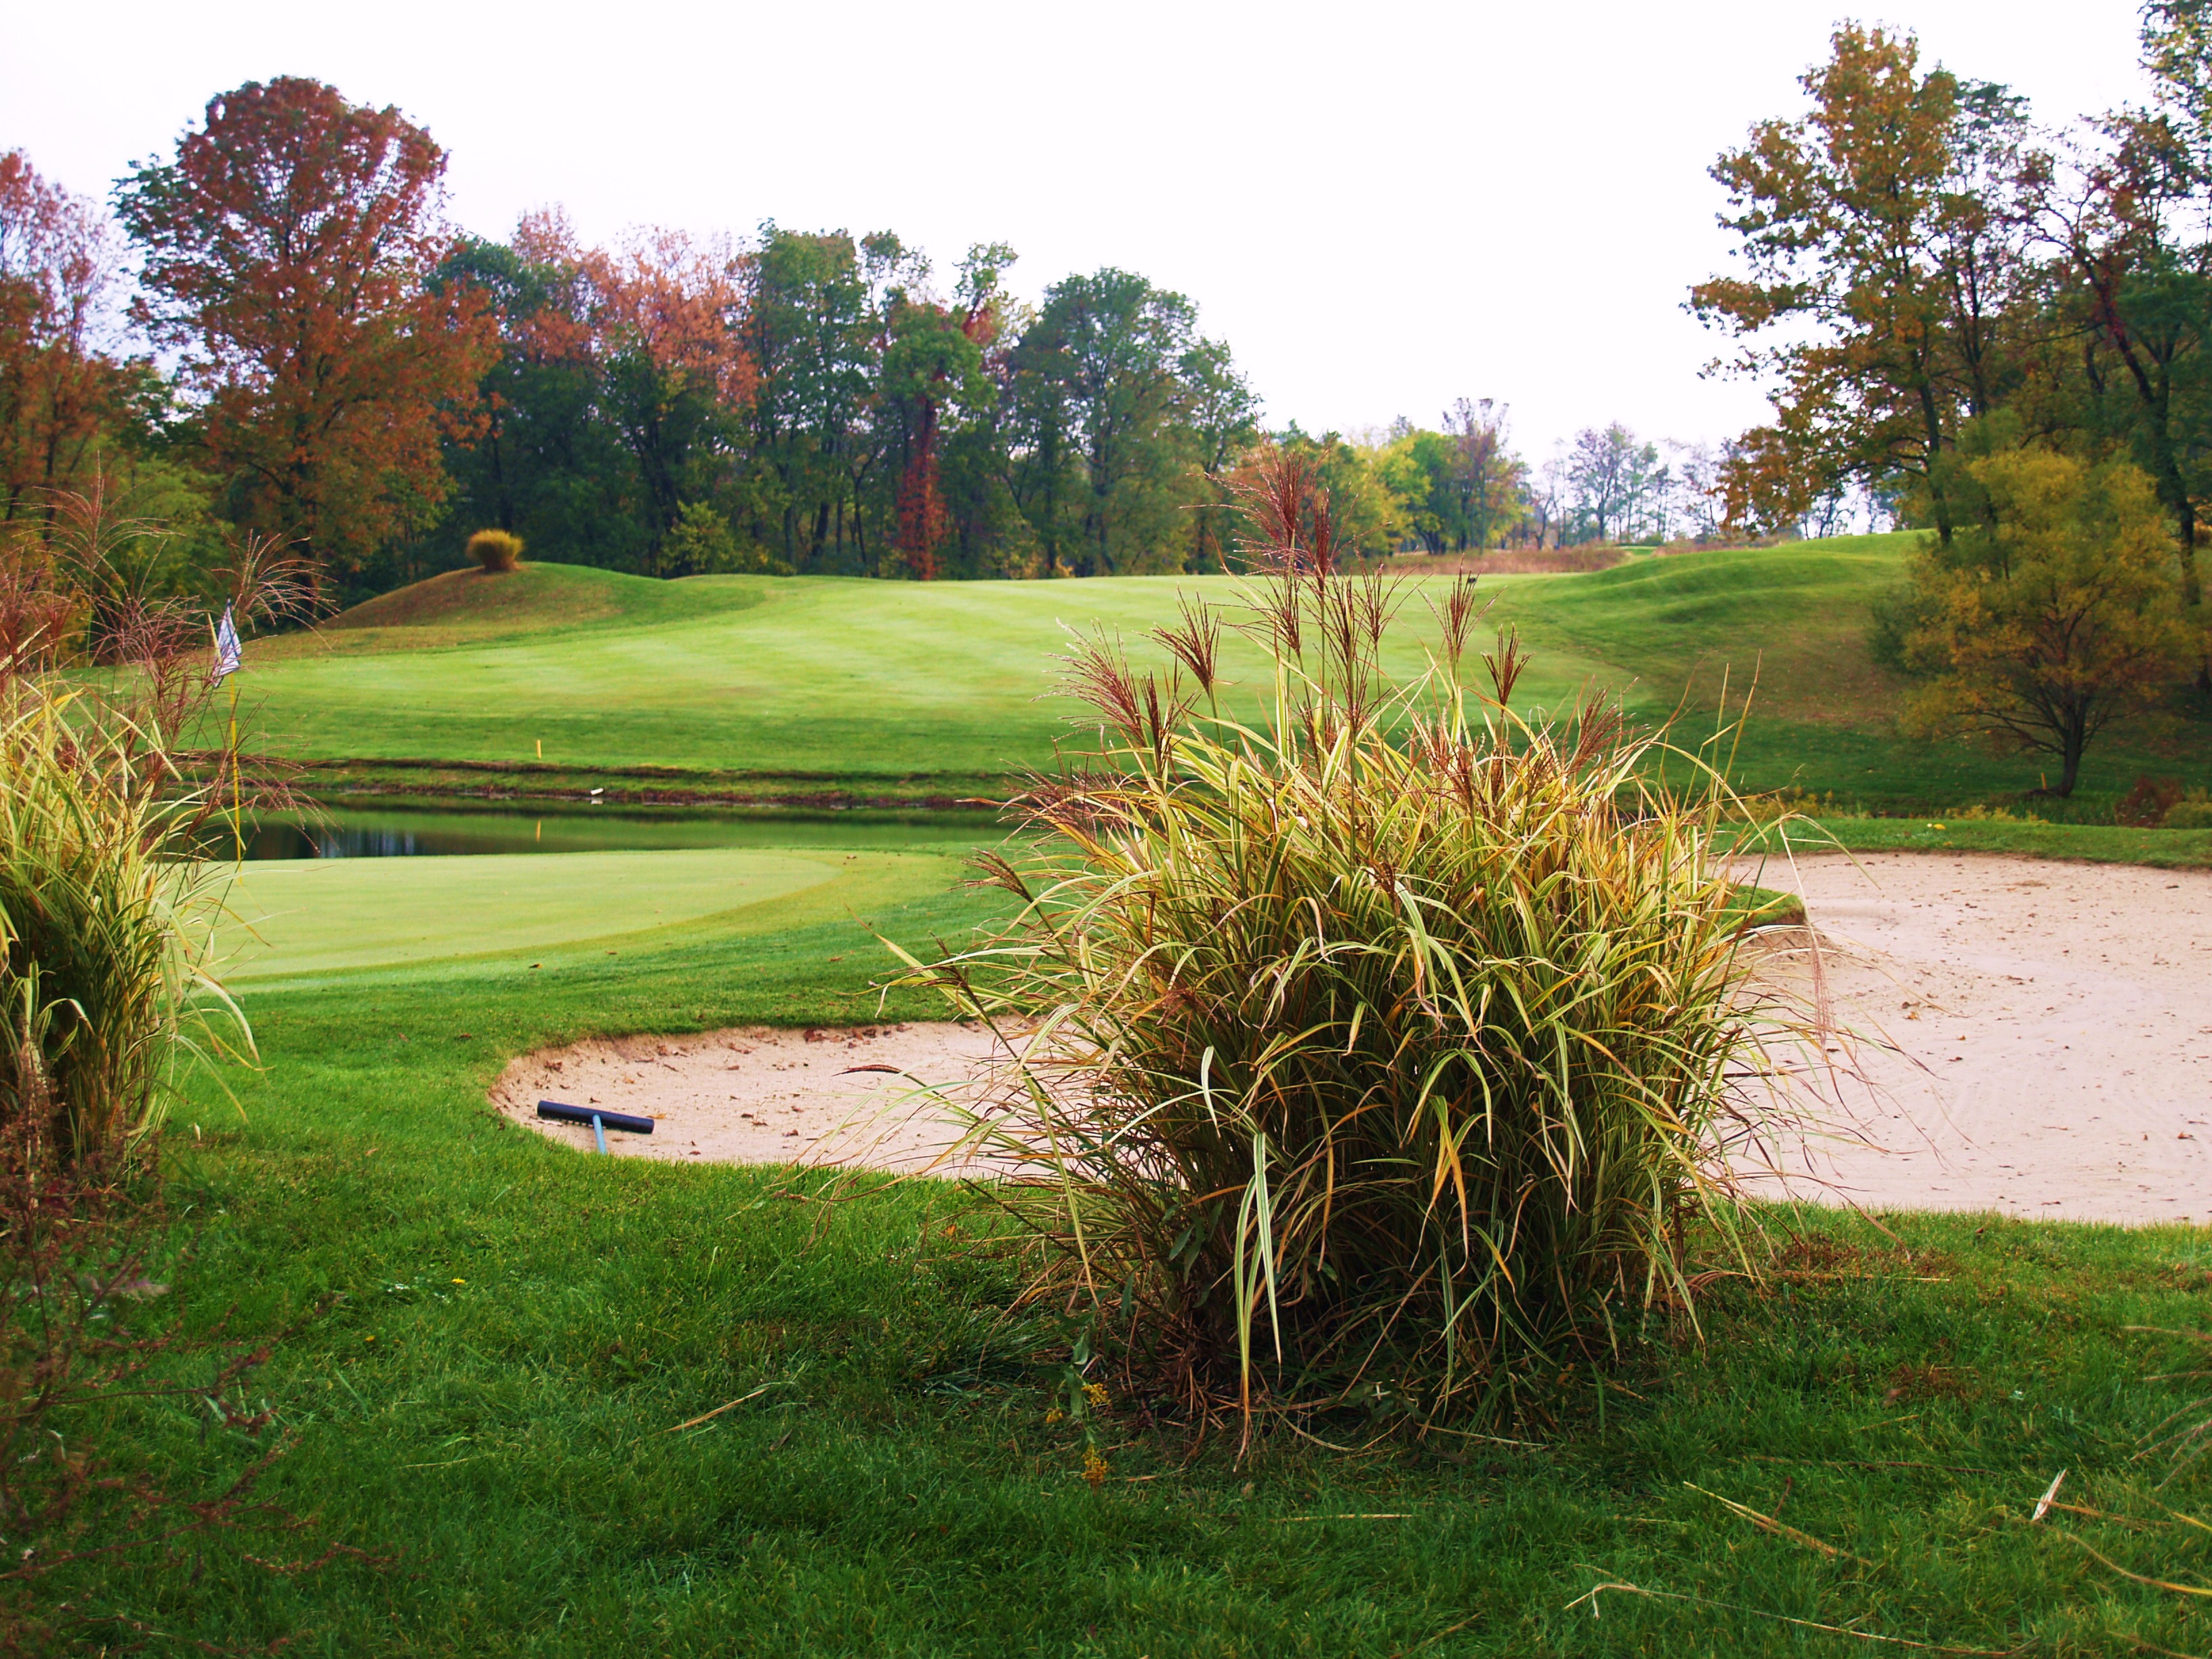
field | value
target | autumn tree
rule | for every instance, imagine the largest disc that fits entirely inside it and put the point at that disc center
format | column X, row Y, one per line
column 674, row 375
column 63, row 392
column 547, row 462
column 935, row 374
column 1368, row 515
column 287, row 250
column 2128, row 213
column 1881, row 264
column 2051, row 610
column 829, row 408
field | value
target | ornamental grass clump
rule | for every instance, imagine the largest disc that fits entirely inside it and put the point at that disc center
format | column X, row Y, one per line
column 495, row 550
column 104, row 989
column 106, row 993
column 1378, row 1050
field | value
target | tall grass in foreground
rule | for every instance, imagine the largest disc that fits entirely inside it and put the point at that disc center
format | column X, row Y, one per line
column 104, row 986
column 101, row 969
column 1382, row 1055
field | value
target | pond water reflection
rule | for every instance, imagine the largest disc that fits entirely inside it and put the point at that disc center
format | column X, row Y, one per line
column 418, row 830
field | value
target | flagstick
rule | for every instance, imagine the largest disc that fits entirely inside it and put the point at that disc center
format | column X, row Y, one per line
column 237, row 821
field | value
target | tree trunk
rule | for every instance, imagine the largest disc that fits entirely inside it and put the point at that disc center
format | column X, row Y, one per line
column 2070, row 758
column 2184, row 516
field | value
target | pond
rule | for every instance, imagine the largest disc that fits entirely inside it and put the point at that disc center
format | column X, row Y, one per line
column 426, row 830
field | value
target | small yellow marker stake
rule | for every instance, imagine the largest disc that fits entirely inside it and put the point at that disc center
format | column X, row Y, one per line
column 541, row 749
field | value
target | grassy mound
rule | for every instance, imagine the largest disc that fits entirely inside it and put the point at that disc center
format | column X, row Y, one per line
column 463, row 607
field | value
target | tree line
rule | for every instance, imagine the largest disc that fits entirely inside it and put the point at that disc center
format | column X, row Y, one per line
column 278, row 330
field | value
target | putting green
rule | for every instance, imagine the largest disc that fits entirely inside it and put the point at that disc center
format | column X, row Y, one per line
column 291, row 917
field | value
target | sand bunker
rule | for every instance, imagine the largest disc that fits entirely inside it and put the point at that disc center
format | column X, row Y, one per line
column 760, row 1096
column 2052, row 1027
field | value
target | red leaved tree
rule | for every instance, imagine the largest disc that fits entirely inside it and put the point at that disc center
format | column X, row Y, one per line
column 287, row 249
column 60, row 266
column 664, row 313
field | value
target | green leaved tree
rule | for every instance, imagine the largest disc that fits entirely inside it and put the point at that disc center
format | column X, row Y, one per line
column 2053, row 613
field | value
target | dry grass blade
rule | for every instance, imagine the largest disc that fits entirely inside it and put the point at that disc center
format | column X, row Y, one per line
column 2134, row 1577
column 1624, row 1588
column 727, row 1405
column 2050, row 1496
column 2184, row 1437
column 1768, row 1523
column 1291, row 1519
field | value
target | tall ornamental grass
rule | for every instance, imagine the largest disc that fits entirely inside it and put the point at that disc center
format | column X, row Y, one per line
column 106, row 993
column 496, row 550
column 104, row 989
column 1380, row 1051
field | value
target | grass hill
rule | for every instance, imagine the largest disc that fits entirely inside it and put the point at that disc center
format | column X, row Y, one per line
column 470, row 607
column 875, row 687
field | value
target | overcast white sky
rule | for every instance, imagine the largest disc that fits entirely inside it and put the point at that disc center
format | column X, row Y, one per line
column 1381, row 206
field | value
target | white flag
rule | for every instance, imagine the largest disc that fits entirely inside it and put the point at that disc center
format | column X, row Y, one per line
column 228, row 655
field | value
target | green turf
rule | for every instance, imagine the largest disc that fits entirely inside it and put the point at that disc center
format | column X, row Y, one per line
column 2172, row 849
column 283, row 919
column 488, row 1340
column 866, row 683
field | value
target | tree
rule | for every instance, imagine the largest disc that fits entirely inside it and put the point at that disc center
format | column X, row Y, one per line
column 815, row 311
column 1700, row 470
column 1882, row 267
column 61, row 395
column 1612, row 480
column 1221, row 418
column 700, row 543
column 287, row 250
column 546, row 464
column 1420, row 468
column 1491, row 480
column 2128, row 219
column 932, row 374
column 673, row 372
column 2052, row 613
column 1100, row 377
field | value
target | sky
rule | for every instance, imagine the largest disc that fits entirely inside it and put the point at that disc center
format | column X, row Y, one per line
column 1382, row 207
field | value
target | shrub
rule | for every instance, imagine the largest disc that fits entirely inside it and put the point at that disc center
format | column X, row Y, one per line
column 2190, row 815
column 2150, row 804
column 495, row 550
column 1385, row 1049
column 700, row 543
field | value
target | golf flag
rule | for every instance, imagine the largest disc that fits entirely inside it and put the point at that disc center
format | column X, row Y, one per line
column 227, row 654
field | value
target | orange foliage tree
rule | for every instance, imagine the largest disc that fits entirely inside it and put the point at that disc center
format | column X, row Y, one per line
column 287, row 252
column 663, row 316
column 60, row 265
